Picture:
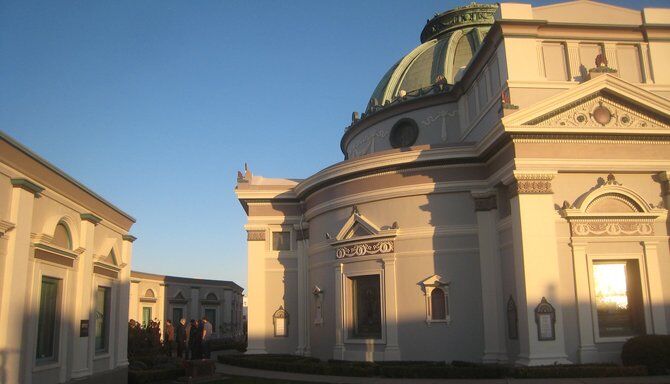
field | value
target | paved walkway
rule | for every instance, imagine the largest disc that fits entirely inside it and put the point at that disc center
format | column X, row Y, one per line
column 239, row 371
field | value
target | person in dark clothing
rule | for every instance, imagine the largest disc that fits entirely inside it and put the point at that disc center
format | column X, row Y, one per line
column 195, row 340
column 168, row 337
column 181, row 338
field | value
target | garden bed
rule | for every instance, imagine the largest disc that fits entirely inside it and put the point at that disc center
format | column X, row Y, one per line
column 425, row 369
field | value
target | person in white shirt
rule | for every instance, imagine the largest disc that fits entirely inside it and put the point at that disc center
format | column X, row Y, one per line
column 206, row 337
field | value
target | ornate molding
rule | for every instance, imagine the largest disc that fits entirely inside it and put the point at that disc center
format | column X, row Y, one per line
column 597, row 111
column 129, row 238
column 531, row 184
column 255, row 235
column 605, row 227
column 471, row 14
column 364, row 249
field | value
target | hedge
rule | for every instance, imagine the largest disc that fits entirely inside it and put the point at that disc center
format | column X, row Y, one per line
column 424, row 369
column 651, row 351
column 153, row 375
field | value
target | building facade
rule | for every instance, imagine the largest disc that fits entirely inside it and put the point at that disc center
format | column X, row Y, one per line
column 158, row 297
column 504, row 198
column 65, row 256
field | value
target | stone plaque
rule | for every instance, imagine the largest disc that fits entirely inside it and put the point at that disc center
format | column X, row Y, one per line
column 545, row 318
column 83, row 328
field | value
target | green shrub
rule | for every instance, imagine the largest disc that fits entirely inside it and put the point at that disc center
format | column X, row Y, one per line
column 651, row 351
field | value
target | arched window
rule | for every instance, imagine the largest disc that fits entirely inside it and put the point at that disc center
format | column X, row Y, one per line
column 62, row 236
column 438, row 304
column 212, row 297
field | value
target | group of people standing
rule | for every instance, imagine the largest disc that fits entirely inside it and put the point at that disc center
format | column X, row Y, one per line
column 192, row 339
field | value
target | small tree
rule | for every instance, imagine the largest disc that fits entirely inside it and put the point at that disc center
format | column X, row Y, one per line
column 144, row 340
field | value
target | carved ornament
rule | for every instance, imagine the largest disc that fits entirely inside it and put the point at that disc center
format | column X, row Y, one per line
column 364, row 249
column 255, row 235
column 531, row 184
column 471, row 14
column 597, row 111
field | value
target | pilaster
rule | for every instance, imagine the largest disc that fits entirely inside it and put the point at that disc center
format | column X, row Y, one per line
column 82, row 360
column 257, row 317
column 392, row 350
column 587, row 350
column 195, row 303
column 573, row 60
column 124, row 299
column 495, row 349
column 338, row 349
column 536, row 265
column 659, row 322
column 303, row 291
column 14, row 282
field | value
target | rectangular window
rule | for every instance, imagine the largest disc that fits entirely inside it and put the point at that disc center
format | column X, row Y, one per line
column 103, row 301
column 618, row 294
column 146, row 315
column 210, row 314
column 555, row 65
column 177, row 314
column 281, row 241
column 367, row 310
column 48, row 319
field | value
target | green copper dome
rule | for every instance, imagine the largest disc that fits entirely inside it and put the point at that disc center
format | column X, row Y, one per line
column 449, row 40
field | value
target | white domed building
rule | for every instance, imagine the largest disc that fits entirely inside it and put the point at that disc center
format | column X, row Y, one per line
column 504, row 197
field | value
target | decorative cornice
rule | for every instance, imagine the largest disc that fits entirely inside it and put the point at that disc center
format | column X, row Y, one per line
column 531, row 184
column 129, row 238
column 255, row 235
column 5, row 226
column 90, row 218
column 28, row 186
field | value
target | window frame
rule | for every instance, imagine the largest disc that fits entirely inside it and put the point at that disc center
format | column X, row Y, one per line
column 109, row 324
column 349, row 335
column 54, row 359
column 644, row 286
column 43, row 268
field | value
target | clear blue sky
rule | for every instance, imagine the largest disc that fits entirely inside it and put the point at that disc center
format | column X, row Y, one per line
column 156, row 104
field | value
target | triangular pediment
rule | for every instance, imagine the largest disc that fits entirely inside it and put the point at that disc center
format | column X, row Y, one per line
column 587, row 12
column 606, row 104
column 357, row 226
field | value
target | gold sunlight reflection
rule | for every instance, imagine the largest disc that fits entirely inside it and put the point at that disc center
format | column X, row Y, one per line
column 610, row 284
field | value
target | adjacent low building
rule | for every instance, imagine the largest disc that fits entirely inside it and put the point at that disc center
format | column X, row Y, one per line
column 158, row 297
column 65, row 256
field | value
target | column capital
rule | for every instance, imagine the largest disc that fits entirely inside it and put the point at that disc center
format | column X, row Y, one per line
column 95, row 220
column 28, row 186
column 5, row 226
column 485, row 200
column 531, row 183
column 129, row 238
column 255, row 235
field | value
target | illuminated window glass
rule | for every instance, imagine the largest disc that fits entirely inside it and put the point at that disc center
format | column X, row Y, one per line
column 618, row 296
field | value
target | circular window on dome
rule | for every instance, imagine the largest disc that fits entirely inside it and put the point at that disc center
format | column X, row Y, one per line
column 404, row 133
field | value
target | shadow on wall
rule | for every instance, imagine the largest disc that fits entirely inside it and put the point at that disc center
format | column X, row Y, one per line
column 53, row 333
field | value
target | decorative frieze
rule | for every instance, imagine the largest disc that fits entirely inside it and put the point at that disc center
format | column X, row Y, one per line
column 611, row 228
column 531, row 184
column 364, row 249
column 255, row 235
